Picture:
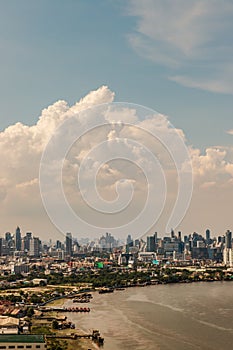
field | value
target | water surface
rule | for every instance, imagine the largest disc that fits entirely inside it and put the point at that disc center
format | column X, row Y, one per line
column 174, row 316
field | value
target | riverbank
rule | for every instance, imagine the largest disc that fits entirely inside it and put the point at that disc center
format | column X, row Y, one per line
column 69, row 338
column 120, row 315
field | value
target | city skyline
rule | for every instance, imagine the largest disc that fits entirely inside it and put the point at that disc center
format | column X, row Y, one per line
column 173, row 248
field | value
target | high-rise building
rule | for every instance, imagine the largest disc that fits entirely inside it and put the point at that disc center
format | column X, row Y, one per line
column 18, row 244
column 69, row 244
column 8, row 236
column 227, row 253
column 179, row 236
column 150, row 247
column 228, row 239
column 207, row 235
column 129, row 243
column 172, row 234
column 27, row 239
column 34, row 249
column 129, row 239
column 58, row 244
column 0, row 246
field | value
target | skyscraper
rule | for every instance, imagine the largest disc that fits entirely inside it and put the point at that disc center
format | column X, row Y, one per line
column 8, row 236
column 129, row 239
column 207, row 235
column 179, row 236
column 69, row 244
column 172, row 234
column 34, row 248
column 18, row 239
column 129, row 243
column 228, row 239
column 227, row 253
column 27, row 240
column 58, row 244
column 0, row 246
column 150, row 247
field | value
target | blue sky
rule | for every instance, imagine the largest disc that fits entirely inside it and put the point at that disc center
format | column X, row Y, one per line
column 57, row 49
column 174, row 56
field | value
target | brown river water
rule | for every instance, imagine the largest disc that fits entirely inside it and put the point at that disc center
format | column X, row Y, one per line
column 174, row 316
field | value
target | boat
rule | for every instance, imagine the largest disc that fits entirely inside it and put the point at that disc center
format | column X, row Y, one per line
column 106, row 290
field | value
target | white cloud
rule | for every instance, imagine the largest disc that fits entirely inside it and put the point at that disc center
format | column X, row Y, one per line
column 214, row 167
column 21, row 148
column 220, row 85
column 189, row 36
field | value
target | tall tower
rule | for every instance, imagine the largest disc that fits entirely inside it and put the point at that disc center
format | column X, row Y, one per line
column 129, row 239
column 34, row 248
column 207, row 235
column 150, row 243
column 27, row 240
column 8, row 236
column 69, row 244
column 180, row 236
column 18, row 239
column 0, row 246
column 228, row 239
column 227, row 253
column 172, row 233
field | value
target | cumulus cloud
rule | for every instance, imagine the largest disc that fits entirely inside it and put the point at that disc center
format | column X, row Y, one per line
column 193, row 36
column 213, row 168
column 22, row 146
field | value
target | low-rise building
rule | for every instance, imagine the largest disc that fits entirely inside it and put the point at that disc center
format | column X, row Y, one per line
column 22, row 341
column 9, row 325
column 38, row 281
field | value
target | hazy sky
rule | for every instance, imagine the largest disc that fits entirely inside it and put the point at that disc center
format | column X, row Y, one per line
column 174, row 56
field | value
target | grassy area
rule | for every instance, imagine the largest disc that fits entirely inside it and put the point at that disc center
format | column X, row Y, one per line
column 58, row 302
column 69, row 344
column 45, row 327
column 80, row 344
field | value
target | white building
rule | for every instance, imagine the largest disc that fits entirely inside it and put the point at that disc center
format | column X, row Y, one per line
column 8, row 325
column 228, row 257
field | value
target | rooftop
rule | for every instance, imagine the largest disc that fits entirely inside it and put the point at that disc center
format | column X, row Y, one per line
column 22, row 338
column 8, row 321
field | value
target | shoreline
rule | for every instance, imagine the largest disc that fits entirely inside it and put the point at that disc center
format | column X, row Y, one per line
column 80, row 343
column 111, row 341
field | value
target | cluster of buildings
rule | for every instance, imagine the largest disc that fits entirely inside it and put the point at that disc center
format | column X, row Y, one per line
column 31, row 246
column 11, row 244
column 152, row 248
column 193, row 246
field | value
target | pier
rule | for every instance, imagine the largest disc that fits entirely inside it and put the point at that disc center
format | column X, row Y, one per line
column 95, row 336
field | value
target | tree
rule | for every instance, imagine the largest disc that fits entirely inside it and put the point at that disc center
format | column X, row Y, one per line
column 55, row 324
column 30, row 312
column 54, row 344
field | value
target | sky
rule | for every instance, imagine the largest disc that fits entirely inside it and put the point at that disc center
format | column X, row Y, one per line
column 173, row 56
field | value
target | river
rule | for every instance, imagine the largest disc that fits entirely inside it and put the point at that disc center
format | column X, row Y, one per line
column 172, row 316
